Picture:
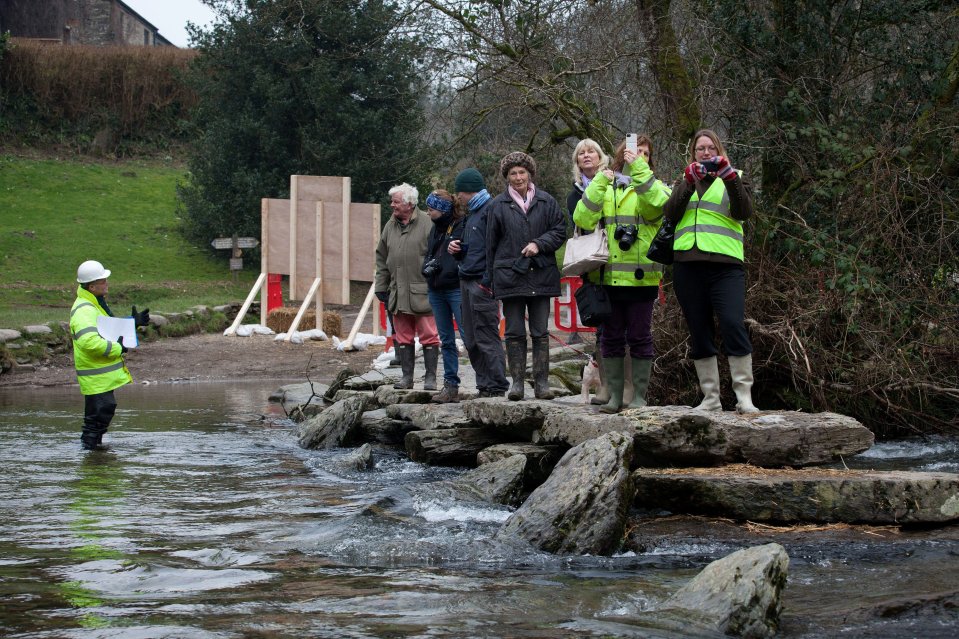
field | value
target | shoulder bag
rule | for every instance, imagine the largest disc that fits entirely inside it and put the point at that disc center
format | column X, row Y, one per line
column 592, row 302
column 661, row 248
column 585, row 253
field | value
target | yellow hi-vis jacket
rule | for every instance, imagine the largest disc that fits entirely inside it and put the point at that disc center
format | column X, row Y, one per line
column 707, row 225
column 641, row 203
column 99, row 362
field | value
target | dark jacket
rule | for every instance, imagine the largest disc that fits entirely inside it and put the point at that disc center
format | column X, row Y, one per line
column 573, row 198
column 510, row 230
column 446, row 277
column 473, row 262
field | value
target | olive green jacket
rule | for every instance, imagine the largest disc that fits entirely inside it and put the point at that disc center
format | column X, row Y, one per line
column 399, row 263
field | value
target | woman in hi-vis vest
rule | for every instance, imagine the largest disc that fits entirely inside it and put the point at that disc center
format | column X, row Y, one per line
column 709, row 206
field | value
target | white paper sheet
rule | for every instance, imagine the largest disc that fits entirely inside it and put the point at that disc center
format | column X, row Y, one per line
column 112, row 328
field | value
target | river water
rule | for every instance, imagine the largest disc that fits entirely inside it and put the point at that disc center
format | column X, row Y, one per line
column 205, row 519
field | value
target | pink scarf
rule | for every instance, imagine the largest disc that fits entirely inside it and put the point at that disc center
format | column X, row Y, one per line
column 523, row 204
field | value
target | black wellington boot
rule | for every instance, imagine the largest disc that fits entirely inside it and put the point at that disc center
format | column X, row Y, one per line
column 516, row 358
column 541, row 368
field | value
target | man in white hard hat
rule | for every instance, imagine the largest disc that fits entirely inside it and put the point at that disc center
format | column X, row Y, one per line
column 99, row 361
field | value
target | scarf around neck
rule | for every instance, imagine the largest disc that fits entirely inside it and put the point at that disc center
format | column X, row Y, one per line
column 523, row 203
column 478, row 200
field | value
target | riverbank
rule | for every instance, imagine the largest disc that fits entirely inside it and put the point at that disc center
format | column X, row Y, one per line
column 208, row 358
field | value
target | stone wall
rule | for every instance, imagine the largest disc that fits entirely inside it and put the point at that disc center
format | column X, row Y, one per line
column 92, row 22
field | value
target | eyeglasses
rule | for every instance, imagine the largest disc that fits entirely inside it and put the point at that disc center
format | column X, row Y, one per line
column 703, row 149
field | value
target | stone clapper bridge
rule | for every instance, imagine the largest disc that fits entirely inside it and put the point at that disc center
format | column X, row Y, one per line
column 574, row 474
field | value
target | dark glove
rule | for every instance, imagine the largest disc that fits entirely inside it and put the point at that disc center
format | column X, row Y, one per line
column 383, row 296
column 723, row 170
column 694, row 172
column 123, row 349
column 142, row 318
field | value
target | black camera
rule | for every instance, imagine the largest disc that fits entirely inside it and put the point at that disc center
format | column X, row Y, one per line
column 431, row 268
column 626, row 234
column 710, row 165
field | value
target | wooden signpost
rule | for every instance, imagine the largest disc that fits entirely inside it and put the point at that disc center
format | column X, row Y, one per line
column 237, row 244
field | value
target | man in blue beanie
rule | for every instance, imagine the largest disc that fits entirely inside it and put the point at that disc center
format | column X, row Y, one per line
column 480, row 310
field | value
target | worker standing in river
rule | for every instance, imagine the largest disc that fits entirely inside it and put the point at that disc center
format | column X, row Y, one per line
column 98, row 361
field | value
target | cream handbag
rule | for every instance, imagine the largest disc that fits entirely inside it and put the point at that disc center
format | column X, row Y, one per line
column 585, row 253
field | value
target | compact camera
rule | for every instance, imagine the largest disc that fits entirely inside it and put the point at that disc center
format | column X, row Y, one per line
column 710, row 165
column 431, row 268
column 626, row 234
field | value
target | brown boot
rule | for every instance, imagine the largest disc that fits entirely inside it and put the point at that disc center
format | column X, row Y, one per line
column 449, row 395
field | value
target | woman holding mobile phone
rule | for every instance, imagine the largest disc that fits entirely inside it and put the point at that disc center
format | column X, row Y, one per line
column 631, row 208
column 709, row 205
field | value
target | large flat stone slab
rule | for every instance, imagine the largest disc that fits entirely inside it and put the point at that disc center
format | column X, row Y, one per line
column 807, row 495
column 679, row 435
column 514, row 419
column 431, row 416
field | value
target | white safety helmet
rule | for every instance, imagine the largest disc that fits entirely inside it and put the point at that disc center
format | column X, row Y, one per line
column 91, row 271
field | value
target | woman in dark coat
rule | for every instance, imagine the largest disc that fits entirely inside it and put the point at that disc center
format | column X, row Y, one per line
column 526, row 228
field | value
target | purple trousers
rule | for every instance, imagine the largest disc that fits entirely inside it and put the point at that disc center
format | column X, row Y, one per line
column 631, row 323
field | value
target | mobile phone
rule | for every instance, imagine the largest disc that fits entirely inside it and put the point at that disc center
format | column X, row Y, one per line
column 631, row 142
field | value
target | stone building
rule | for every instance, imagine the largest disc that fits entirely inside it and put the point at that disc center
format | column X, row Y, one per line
column 94, row 22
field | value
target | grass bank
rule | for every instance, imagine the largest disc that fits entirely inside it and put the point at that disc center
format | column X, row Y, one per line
column 56, row 213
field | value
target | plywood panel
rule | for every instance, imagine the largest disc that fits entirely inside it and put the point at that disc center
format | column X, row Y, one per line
column 318, row 188
column 277, row 242
column 364, row 234
column 295, row 235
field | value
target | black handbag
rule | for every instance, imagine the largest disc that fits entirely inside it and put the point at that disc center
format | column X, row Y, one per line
column 661, row 248
column 593, row 303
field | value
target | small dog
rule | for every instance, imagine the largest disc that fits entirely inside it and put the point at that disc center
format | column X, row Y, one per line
column 590, row 378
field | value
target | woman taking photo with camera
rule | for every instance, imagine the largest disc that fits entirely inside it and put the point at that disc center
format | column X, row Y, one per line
column 526, row 227
column 630, row 208
column 709, row 206
column 443, row 282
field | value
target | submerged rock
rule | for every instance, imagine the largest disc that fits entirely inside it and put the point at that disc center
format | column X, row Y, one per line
column 499, row 482
column 809, row 495
column 301, row 399
column 581, row 508
column 739, row 595
column 359, row 459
